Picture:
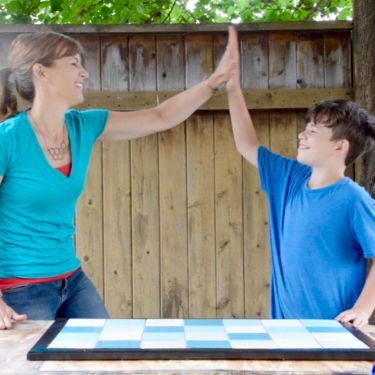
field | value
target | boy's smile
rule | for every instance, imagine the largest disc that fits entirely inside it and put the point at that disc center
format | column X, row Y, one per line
column 316, row 146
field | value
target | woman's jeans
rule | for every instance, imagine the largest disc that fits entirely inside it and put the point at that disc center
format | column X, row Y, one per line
column 74, row 297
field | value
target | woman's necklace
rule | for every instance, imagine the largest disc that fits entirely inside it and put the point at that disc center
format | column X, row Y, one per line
column 56, row 152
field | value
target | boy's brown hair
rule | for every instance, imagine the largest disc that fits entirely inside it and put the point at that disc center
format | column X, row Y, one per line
column 348, row 120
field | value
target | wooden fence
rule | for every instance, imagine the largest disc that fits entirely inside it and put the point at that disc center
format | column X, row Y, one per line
column 175, row 224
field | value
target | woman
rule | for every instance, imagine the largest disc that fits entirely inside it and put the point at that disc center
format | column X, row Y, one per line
column 44, row 156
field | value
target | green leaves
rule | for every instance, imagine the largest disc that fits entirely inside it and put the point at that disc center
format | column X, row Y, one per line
column 170, row 11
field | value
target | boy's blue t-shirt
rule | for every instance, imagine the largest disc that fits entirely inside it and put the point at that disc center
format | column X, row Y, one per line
column 37, row 202
column 319, row 240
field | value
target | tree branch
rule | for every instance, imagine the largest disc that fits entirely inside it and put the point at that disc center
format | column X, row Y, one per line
column 320, row 4
column 170, row 11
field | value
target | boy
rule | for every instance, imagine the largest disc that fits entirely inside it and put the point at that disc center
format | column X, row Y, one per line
column 322, row 224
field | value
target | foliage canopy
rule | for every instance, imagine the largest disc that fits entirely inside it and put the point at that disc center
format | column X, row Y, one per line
column 169, row 11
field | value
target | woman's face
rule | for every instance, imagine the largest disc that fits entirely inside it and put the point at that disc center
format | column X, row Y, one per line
column 64, row 79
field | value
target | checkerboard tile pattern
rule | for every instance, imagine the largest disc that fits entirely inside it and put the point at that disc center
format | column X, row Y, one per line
column 204, row 334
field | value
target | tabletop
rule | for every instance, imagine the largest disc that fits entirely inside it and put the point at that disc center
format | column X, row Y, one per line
column 15, row 343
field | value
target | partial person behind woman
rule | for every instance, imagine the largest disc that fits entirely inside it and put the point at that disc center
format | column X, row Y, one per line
column 44, row 157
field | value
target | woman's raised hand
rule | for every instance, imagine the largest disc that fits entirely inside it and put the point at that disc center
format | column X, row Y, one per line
column 228, row 71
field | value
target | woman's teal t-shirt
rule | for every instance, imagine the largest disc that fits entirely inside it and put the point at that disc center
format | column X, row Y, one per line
column 37, row 202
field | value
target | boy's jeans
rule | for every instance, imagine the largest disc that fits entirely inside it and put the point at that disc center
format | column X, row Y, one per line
column 74, row 297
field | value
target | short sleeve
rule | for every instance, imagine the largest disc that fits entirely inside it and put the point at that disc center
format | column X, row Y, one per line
column 92, row 121
column 364, row 224
column 273, row 169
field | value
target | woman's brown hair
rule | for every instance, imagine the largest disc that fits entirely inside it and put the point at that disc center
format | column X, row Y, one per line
column 25, row 51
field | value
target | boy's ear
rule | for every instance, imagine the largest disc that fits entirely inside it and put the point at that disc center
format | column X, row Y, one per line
column 342, row 145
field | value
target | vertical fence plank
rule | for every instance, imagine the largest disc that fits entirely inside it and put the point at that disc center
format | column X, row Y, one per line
column 228, row 222
column 283, row 126
column 283, row 73
column 172, row 185
column 255, row 48
column 310, row 60
column 282, row 60
column 228, row 212
column 117, row 229
column 116, row 191
column 89, row 218
column 254, row 61
column 201, row 223
column 145, row 190
column 200, row 187
column 115, row 63
column 337, row 60
column 256, row 243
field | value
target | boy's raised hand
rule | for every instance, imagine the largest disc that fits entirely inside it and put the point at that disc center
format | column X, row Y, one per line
column 234, row 58
column 228, row 66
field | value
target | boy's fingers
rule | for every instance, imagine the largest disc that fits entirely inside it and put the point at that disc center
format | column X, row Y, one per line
column 5, row 323
column 18, row 317
column 232, row 37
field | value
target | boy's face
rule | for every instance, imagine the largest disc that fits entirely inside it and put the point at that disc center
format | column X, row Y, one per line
column 315, row 146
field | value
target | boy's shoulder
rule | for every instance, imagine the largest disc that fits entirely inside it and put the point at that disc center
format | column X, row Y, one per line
column 273, row 159
column 357, row 192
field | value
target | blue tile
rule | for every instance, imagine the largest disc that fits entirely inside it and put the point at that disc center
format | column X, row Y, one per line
column 163, row 329
column 118, row 344
column 320, row 323
column 208, row 345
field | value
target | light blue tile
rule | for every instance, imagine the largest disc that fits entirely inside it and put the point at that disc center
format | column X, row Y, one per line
column 81, row 330
column 118, row 344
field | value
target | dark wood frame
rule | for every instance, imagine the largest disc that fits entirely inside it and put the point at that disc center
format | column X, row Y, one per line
column 40, row 351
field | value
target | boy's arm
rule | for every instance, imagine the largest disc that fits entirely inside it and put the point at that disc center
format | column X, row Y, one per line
column 359, row 314
column 243, row 129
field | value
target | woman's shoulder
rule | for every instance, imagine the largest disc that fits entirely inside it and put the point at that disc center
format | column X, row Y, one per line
column 78, row 116
column 12, row 124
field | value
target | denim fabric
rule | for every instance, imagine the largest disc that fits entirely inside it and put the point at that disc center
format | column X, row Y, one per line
column 74, row 297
